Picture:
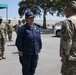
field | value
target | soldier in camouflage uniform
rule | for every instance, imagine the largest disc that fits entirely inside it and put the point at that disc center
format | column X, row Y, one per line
column 68, row 41
column 2, row 39
column 9, row 30
column 23, row 21
column 17, row 26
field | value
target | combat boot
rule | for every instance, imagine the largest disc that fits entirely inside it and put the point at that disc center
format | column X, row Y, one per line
column 0, row 58
column 3, row 57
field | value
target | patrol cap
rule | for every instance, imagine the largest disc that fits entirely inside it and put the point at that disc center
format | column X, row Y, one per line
column 0, row 17
column 29, row 13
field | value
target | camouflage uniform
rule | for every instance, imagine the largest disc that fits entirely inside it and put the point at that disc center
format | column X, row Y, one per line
column 23, row 21
column 68, row 46
column 68, row 41
column 9, row 31
column 2, row 39
column 17, row 26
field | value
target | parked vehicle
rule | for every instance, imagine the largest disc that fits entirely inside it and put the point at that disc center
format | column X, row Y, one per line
column 57, row 29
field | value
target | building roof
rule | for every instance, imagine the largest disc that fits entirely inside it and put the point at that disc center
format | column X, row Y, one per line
column 2, row 6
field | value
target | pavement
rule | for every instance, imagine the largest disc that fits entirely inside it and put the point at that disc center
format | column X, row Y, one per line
column 49, row 59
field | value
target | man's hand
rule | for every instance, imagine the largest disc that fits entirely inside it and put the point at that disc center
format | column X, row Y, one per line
column 64, row 60
column 20, row 53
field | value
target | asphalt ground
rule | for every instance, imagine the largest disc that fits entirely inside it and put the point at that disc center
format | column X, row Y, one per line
column 49, row 59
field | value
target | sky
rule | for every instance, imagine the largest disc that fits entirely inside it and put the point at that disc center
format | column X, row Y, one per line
column 13, row 11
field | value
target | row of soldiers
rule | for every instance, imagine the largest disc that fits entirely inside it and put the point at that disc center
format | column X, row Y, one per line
column 6, row 30
column 17, row 26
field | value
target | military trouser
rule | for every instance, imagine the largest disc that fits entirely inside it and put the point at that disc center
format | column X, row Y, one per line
column 2, row 47
column 10, row 35
column 29, row 64
column 69, row 69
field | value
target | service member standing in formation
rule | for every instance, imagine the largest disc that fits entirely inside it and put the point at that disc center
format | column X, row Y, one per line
column 68, row 41
column 18, row 26
column 29, row 44
column 2, row 39
column 9, row 30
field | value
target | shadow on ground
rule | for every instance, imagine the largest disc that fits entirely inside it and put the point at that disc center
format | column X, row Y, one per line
column 14, row 52
column 11, row 45
column 9, row 41
column 55, row 36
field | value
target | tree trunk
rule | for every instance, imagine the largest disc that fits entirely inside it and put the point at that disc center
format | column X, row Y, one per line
column 44, row 20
